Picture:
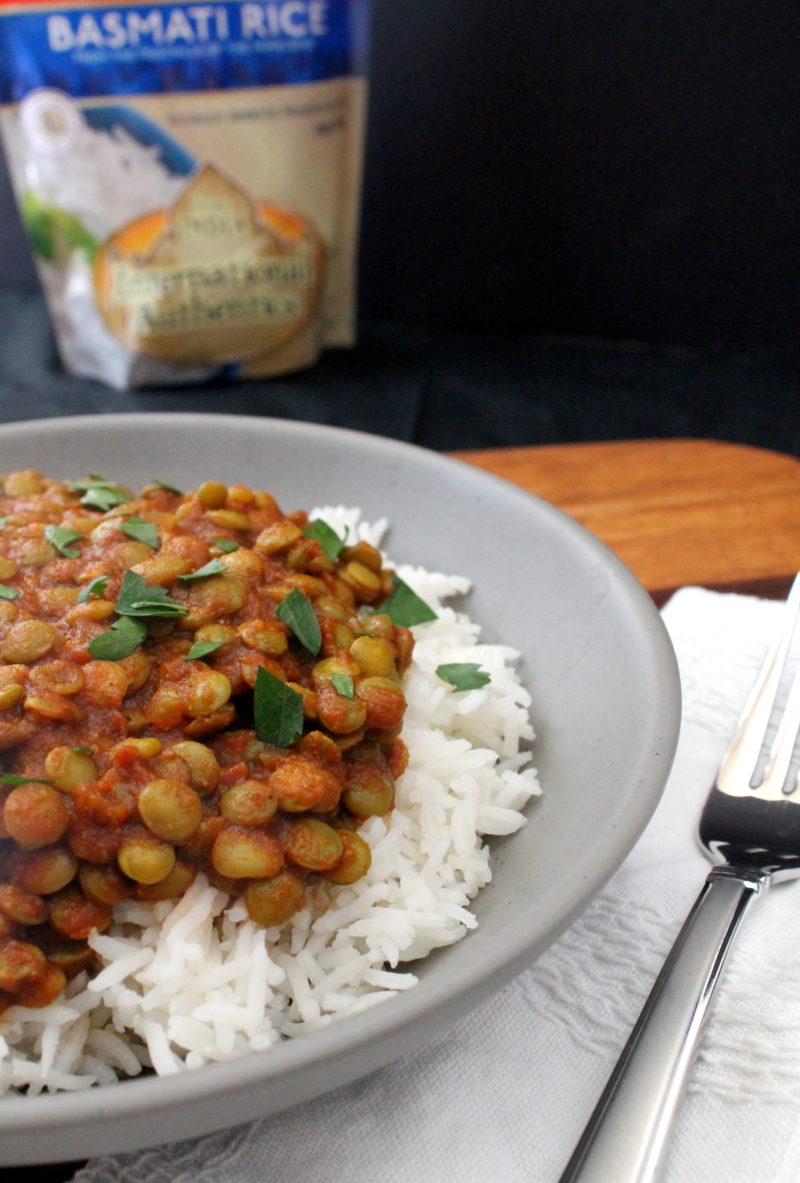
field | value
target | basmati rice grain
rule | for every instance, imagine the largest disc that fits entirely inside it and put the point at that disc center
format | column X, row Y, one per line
column 101, row 1071
column 48, row 1047
column 113, row 1051
column 154, row 1035
column 121, row 968
column 390, row 981
column 494, row 819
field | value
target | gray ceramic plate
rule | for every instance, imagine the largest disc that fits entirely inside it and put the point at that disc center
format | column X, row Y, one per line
column 605, row 689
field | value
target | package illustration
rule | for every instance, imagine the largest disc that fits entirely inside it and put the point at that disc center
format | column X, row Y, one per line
column 189, row 176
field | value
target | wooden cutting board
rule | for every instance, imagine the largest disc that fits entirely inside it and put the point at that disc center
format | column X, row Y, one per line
column 677, row 512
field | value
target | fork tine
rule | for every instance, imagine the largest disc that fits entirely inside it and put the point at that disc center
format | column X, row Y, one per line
column 743, row 754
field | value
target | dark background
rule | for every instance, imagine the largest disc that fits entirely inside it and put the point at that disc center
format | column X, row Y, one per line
column 581, row 220
column 601, row 168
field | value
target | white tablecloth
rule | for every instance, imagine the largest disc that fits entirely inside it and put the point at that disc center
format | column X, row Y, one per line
column 504, row 1094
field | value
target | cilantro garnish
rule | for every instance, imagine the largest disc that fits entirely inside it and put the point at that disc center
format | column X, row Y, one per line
column 137, row 597
column 215, row 567
column 277, row 710
column 98, row 493
column 202, row 649
column 405, row 607
column 61, row 538
column 330, row 542
column 343, row 684
column 297, row 613
column 142, row 531
column 96, row 588
column 463, row 675
column 125, row 635
column 11, row 778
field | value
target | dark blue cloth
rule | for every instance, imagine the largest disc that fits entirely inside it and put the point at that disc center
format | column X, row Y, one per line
column 448, row 389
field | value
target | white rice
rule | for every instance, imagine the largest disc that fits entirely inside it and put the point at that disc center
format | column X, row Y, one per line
column 183, row 984
column 106, row 179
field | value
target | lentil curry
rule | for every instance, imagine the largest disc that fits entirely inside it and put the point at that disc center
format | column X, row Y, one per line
column 188, row 682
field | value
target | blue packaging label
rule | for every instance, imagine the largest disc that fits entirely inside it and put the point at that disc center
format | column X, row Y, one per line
column 147, row 49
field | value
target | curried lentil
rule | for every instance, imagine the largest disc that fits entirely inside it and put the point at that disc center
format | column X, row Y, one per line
column 188, row 682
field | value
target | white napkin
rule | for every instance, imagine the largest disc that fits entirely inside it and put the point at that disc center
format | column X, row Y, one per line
column 505, row 1093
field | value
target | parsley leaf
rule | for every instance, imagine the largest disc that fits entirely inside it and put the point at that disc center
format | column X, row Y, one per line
column 99, row 493
column 405, row 607
column 226, row 544
column 277, row 710
column 60, row 537
column 203, row 648
column 463, row 675
column 215, row 567
column 297, row 613
column 96, row 588
column 343, row 684
column 139, row 598
column 332, row 545
column 142, row 531
column 8, row 593
column 11, row 778
column 119, row 641
column 167, row 488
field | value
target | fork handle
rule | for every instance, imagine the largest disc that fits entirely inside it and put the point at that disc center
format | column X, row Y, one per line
column 626, row 1137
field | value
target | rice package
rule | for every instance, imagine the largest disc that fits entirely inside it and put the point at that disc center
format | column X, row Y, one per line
column 189, row 176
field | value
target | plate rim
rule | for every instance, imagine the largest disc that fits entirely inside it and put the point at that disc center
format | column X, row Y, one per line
column 65, row 1111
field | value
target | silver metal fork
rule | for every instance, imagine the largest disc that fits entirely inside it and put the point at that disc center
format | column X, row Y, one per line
column 750, row 829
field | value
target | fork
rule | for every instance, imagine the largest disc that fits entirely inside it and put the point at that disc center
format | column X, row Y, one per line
column 750, row 829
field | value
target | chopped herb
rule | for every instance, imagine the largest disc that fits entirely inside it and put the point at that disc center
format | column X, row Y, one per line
column 463, row 675
column 139, row 598
column 82, row 751
column 332, row 545
column 215, row 567
column 297, row 613
column 99, row 493
column 167, row 488
column 11, row 778
column 226, row 544
column 277, row 710
column 3, row 518
column 343, row 684
column 405, row 607
column 96, row 588
column 202, row 649
column 142, row 531
column 119, row 641
column 8, row 593
column 60, row 537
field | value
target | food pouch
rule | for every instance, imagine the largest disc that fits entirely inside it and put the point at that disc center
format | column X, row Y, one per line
column 189, row 177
